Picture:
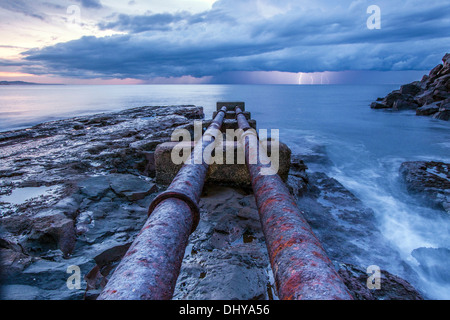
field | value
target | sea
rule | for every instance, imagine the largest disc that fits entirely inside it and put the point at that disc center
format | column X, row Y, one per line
column 365, row 147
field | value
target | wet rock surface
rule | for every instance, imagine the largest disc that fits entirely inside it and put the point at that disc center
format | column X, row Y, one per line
column 390, row 287
column 226, row 258
column 429, row 181
column 429, row 97
column 71, row 190
column 76, row 193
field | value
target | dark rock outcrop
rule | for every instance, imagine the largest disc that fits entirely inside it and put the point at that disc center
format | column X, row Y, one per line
column 429, row 97
column 391, row 286
column 430, row 181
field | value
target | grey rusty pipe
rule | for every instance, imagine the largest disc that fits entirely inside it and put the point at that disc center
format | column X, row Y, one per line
column 150, row 268
column 301, row 268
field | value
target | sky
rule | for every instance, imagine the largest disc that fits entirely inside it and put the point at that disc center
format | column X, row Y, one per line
column 221, row 41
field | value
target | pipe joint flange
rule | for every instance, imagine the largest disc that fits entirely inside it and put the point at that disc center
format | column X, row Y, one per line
column 178, row 194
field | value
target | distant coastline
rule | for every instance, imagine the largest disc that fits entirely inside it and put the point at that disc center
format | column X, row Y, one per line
column 23, row 83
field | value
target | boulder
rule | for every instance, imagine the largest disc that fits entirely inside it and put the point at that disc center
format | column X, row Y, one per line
column 392, row 287
column 12, row 259
column 51, row 229
column 430, row 181
column 435, row 71
column 298, row 178
column 378, row 105
column 422, row 95
column 425, row 97
column 124, row 185
column 428, row 109
column 131, row 187
column 106, row 262
column 411, row 88
column 444, row 113
column 392, row 97
column 405, row 104
column 446, row 60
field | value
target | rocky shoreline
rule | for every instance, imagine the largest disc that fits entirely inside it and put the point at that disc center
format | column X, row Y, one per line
column 428, row 97
column 75, row 192
column 429, row 181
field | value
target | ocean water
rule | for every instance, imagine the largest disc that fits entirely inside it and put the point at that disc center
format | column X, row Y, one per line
column 365, row 146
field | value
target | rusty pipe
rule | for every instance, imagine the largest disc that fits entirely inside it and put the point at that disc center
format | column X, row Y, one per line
column 150, row 268
column 301, row 268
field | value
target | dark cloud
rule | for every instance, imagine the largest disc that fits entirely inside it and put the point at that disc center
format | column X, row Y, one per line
column 26, row 8
column 92, row 4
column 243, row 36
column 164, row 21
column 142, row 23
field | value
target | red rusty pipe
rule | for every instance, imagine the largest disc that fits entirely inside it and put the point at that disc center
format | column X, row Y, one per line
column 300, row 265
column 150, row 268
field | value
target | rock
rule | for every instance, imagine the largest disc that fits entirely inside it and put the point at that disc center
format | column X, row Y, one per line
column 411, row 89
column 421, row 95
column 298, row 178
column 52, row 229
column 125, row 185
column 379, row 105
column 444, row 113
column 430, row 181
column 87, row 211
column 425, row 98
column 78, row 126
column 131, row 187
column 392, row 97
column 106, row 262
column 226, row 257
column 405, row 104
column 148, row 166
column 225, row 276
column 191, row 112
column 440, row 94
column 391, row 286
column 446, row 60
column 428, row 109
column 94, row 188
column 20, row 292
column 443, row 82
column 13, row 262
column 16, row 224
column 434, row 71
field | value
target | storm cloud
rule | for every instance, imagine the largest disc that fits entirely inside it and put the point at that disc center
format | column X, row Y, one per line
column 255, row 35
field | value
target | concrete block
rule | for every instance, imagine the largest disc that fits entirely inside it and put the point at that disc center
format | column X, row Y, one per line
column 223, row 174
column 230, row 124
column 231, row 105
column 231, row 115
